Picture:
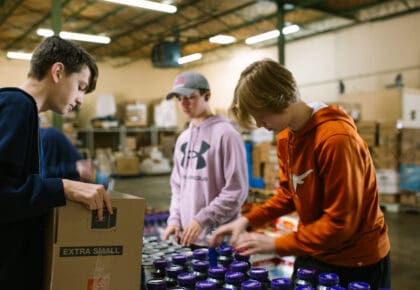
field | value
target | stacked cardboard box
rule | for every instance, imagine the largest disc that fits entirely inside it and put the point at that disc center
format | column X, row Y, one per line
column 385, row 157
column 386, row 152
column 367, row 130
column 265, row 164
column 135, row 115
column 372, row 103
column 410, row 146
column 383, row 140
column 167, row 144
column 410, row 160
column 388, row 185
column 127, row 165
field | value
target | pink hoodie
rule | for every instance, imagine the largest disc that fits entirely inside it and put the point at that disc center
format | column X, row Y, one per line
column 209, row 180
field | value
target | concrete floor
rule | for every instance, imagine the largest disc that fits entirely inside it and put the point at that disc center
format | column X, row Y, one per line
column 404, row 228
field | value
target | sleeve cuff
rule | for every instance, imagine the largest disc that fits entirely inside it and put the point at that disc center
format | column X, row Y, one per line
column 55, row 192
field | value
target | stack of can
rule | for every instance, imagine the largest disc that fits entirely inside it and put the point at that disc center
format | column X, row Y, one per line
column 167, row 265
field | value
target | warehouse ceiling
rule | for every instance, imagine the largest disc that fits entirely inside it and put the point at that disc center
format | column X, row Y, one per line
column 134, row 31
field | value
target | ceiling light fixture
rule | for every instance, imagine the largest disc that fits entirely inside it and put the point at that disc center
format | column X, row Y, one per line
column 19, row 55
column 75, row 36
column 263, row 37
column 222, row 39
column 147, row 5
column 190, row 58
column 272, row 34
column 289, row 29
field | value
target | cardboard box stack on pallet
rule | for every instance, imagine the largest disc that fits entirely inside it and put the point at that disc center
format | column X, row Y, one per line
column 385, row 157
column 410, row 166
column 383, row 140
column 396, row 155
column 127, row 162
column 265, row 164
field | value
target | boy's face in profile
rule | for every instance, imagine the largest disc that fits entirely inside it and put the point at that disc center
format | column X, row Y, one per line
column 273, row 121
column 68, row 90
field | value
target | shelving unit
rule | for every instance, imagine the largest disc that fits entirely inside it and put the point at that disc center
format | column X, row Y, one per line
column 92, row 138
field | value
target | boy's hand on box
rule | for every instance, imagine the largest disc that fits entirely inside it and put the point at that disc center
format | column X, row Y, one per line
column 93, row 196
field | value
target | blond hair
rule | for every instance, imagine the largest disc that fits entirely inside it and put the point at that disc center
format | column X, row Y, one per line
column 264, row 86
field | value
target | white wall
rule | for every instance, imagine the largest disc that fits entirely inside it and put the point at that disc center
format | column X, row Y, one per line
column 366, row 57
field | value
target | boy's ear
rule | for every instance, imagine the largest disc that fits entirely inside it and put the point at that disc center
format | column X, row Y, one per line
column 57, row 70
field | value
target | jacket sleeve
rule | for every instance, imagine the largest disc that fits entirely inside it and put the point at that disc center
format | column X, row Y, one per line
column 60, row 155
column 62, row 170
column 23, row 193
column 342, row 162
column 226, row 206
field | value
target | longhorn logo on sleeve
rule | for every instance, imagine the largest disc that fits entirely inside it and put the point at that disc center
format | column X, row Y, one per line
column 298, row 179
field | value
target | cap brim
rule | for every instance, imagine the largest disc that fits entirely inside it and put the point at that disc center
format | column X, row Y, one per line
column 180, row 91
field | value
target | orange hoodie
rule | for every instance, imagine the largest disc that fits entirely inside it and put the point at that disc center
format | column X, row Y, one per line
column 328, row 177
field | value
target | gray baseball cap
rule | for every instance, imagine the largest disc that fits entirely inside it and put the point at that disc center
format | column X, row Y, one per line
column 187, row 83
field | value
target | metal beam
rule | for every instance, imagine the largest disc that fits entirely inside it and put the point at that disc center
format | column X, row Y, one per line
column 56, row 16
column 32, row 28
column 80, row 9
column 414, row 10
column 334, row 13
column 7, row 11
column 142, row 25
column 139, row 45
column 280, row 39
column 92, row 23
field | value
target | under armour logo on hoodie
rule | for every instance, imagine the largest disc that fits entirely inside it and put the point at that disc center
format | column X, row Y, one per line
column 298, row 179
column 201, row 162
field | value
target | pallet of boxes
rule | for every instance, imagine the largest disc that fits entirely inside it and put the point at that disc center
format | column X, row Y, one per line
column 127, row 162
column 410, row 165
column 265, row 165
column 394, row 148
column 385, row 156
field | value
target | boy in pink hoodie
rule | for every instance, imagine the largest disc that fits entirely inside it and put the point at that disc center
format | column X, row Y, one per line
column 209, row 179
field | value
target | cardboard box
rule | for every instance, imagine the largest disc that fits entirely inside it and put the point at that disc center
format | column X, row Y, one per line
column 127, row 165
column 371, row 104
column 408, row 198
column 86, row 254
column 135, row 115
column 131, row 143
column 389, row 198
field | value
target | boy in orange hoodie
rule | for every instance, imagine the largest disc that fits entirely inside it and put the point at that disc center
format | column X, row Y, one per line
column 326, row 175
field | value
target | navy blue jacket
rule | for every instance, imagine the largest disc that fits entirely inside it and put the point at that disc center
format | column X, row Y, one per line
column 25, row 197
column 60, row 155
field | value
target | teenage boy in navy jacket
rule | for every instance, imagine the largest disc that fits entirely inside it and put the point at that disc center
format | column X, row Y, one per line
column 60, row 74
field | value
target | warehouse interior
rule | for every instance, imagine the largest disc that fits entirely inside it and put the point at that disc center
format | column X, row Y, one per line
column 363, row 55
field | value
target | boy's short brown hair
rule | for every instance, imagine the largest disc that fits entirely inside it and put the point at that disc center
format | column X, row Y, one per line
column 55, row 49
column 264, row 86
